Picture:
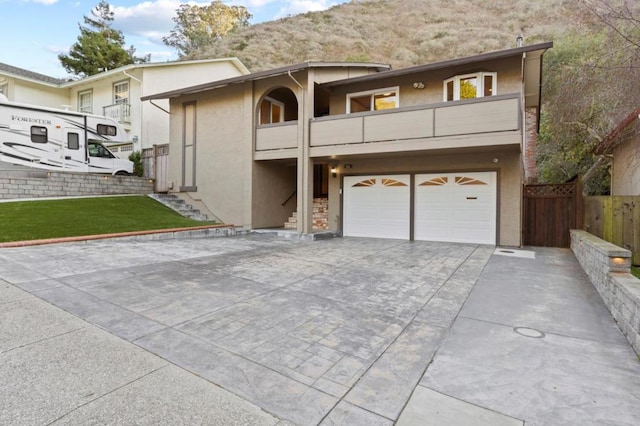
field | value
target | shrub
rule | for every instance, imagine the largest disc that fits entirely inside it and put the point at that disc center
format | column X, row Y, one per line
column 138, row 168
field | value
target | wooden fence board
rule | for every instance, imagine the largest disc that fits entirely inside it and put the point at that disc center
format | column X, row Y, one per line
column 615, row 219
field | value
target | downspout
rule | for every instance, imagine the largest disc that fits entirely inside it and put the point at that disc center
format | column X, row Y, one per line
column 139, row 82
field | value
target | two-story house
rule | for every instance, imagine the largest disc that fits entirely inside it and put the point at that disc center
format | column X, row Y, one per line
column 432, row 152
column 116, row 93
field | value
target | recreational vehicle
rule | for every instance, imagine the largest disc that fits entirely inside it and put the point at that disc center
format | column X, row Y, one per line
column 61, row 140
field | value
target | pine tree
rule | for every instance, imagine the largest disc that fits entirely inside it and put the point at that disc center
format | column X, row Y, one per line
column 99, row 47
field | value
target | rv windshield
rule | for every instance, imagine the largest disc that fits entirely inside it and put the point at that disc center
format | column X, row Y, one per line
column 97, row 150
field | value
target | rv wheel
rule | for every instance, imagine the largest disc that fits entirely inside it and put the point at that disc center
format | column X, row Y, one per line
column 122, row 173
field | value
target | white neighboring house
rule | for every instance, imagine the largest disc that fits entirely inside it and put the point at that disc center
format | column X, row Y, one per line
column 116, row 94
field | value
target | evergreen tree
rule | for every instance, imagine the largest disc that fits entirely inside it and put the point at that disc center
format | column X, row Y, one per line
column 99, row 47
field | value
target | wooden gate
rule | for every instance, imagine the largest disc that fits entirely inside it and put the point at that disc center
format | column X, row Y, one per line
column 550, row 211
column 156, row 166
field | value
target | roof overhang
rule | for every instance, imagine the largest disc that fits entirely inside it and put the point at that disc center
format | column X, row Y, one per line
column 262, row 75
column 533, row 53
column 617, row 135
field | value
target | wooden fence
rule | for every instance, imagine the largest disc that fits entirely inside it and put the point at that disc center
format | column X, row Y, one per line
column 615, row 219
column 155, row 162
column 550, row 211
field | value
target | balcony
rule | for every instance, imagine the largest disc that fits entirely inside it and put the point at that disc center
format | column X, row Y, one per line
column 274, row 141
column 470, row 123
column 119, row 112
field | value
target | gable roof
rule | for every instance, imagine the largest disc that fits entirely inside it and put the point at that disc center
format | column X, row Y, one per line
column 260, row 75
column 24, row 74
column 29, row 75
column 615, row 136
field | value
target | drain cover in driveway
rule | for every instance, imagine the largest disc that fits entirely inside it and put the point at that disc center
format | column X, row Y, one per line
column 524, row 254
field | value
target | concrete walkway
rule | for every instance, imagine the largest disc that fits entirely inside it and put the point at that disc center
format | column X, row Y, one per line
column 263, row 330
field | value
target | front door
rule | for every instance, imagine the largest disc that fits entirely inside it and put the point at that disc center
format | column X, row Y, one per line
column 74, row 155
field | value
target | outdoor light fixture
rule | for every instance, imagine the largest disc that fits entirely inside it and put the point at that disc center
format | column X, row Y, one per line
column 334, row 170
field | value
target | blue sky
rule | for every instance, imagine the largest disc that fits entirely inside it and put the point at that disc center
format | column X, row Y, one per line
column 34, row 32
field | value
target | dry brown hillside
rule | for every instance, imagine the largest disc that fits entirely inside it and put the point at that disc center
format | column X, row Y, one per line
column 398, row 32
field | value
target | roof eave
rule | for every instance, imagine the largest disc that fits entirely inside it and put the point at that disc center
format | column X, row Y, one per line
column 445, row 64
column 259, row 76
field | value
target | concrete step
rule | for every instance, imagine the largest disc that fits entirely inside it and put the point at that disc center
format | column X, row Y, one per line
column 178, row 205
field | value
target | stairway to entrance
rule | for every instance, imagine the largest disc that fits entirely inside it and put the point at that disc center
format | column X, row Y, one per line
column 320, row 216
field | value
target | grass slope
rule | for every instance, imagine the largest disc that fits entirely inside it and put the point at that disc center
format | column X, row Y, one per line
column 32, row 220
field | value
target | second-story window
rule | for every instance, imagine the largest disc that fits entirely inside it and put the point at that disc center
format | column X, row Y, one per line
column 121, row 92
column 470, row 86
column 85, row 101
column 271, row 111
column 373, row 100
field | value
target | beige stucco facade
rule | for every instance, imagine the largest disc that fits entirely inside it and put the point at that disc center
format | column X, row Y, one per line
column 255, row 172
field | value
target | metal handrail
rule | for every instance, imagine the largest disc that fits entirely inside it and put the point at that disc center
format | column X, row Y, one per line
column 290, row 196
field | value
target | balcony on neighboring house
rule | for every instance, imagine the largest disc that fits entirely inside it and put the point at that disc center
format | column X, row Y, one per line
column 487, row 121
column 120, row 112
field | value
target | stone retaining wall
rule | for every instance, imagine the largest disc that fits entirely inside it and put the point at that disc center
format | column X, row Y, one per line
column 60, row 184
column 608, row 267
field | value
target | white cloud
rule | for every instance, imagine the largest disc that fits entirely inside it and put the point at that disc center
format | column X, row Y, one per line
column 45, row 2
column 149, row 16
column 296, row 7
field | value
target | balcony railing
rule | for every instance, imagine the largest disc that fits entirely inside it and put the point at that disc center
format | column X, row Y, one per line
column 420, row 122
column 277, row 136
column 119, row 112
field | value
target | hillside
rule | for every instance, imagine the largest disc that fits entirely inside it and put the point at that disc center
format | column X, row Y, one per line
column 398, row 32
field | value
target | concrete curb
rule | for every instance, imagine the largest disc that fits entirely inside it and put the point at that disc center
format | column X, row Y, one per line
column 158, row 234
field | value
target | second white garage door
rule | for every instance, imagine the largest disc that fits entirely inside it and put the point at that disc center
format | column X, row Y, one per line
column 456, row 207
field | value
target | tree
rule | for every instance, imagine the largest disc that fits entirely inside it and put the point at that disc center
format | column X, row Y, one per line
column 99, row 47
column 590, row 84
column 201, row 26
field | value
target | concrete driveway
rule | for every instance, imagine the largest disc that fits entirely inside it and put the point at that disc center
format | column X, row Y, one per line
column 337, row 331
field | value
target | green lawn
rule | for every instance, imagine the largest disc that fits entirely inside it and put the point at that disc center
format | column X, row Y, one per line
column 33, row 220
column 635, row 270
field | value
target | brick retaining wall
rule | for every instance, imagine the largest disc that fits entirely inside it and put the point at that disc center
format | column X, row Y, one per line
column 60, row 184
column 608, row 267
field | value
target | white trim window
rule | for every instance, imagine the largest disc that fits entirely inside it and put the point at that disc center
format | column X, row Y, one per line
column 373, row 100
column 85, row 101
column 271, row 111
column 4, row 86
column 470, row 86
column 121, row 92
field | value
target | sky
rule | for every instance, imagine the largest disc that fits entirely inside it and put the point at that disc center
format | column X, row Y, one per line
column 34, row 32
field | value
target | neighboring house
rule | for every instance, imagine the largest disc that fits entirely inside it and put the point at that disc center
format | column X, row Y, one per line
column 116, row 93
column 431, row 152
column 623, row 145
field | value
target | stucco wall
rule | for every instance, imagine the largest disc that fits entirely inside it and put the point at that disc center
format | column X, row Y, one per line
column 509, row 81
column 273, row 183
column 27, row 93
column 509, row 181
column 224, row 153
column 626, row 168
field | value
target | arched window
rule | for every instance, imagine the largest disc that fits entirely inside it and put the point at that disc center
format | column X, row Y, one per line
column 470, row 86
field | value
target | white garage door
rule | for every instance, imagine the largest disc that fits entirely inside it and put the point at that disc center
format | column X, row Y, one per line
column 377, row 206
column 456, row 207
